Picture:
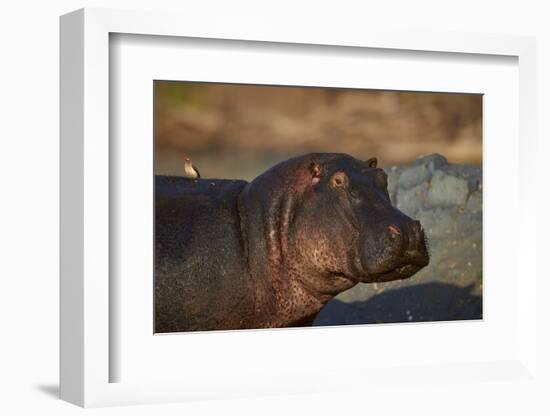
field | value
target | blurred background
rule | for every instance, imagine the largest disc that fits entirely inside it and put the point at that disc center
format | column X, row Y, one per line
column 429, row 143
column 237, row 131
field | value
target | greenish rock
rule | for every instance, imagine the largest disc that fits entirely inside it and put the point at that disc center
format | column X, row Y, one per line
column 446, row 191
column 469, row 223
column 438, row 223
column 475, row 202
column 433, row 162
column 410, row 201
column 413, row 176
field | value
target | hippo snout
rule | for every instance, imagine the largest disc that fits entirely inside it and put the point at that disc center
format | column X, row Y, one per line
column 411, row 241
column 396, row 251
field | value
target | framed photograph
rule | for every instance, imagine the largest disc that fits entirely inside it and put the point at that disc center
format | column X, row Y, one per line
column 247, row 214
column 305, row 223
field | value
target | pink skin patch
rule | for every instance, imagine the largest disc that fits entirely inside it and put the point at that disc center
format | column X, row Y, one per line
column 394, row 230
column 315, row 172
column 306, row 177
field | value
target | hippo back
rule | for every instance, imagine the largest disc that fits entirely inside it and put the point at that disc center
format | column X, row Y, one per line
column 198, row 253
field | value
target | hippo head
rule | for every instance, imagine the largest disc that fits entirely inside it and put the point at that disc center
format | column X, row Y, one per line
column 346, row 223
column 328, row 220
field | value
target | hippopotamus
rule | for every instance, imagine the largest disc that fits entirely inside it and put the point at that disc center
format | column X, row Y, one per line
column 270, row 253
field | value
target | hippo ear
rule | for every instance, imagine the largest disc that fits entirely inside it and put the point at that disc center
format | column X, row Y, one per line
column 316, row 171
column 372, row 162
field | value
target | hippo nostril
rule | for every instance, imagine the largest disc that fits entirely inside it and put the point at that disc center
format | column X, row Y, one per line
column 394, row 231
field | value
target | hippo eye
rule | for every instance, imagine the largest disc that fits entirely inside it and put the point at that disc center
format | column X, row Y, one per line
column 339, row 179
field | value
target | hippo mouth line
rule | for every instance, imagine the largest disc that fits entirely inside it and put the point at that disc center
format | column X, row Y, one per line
column 400, row 271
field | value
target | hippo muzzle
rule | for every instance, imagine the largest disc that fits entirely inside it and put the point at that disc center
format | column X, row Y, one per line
column 395, row 248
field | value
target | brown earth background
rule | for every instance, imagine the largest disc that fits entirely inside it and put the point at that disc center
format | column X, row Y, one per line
column 237, row 131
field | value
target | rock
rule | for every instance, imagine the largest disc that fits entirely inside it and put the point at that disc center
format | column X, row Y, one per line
column 414, row 176
column 474, row 203
column 447, row 191
column 469, row 223
column 411, row 200
column 438, row 223
column 433, row 162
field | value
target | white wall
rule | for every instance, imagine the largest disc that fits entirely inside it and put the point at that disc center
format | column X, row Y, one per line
column 29, row 189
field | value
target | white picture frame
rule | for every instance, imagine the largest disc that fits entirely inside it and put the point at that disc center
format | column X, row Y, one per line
column 86, row 354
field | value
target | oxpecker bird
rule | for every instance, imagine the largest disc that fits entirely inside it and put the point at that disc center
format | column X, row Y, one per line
column 190, row 170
